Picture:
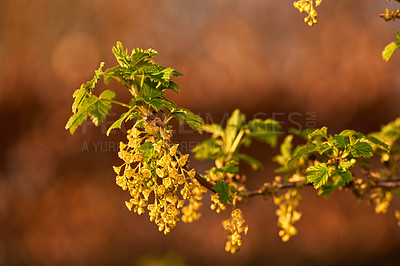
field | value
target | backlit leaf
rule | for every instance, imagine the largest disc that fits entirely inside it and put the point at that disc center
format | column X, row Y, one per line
column 160, row 103
column 264, row 130
column 208, row 149
column 361, row 149
column 193, row 120
column 318, row 174
column 303, row 151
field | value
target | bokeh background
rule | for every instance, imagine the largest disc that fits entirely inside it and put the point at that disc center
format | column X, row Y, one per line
column 59, row 204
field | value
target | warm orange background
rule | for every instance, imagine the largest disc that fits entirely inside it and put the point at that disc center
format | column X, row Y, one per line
column 59, row 204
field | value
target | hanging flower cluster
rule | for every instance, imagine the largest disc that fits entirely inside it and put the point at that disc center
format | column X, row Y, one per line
column 381, row 200
column 217, row 205
column 234, row 227
column 154, row 172
column 308, row 7
column 287, row 213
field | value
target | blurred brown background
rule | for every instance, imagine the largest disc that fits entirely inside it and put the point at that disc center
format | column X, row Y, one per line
column 59, row 204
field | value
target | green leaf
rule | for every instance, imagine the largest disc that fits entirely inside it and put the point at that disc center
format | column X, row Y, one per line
column 361, row 149
column 137, row 56
column 235, row 121
column 323, row 132
column 96, row 108
column 346, row 176
column 389, row 133
column 327, row 189
column 161, row 103
column 162, row 74
column 100, row 108
column 286, row 147
column 254, row 163
column 107, row 95
column 86, row 89
column 147, row 150
column 265, row 130
column 139, row 71
column 75, row 121
column 173, row 86
column 286, row 151
column 193, row 120
column 231, row 167
column 208, row 149
column 215, row 129
column 389, row 50
column 301, row 152
column 318, row 174
column 120, row 74
column 121, row 55
column 378, row 143
column 150, row 89
column 324, row 147
column 118, row 123
column 301, row 133
column 347, row 164
column 79, row 95
column 222, row 189
column 140, row 56
column 341, row 142
column 350, row 133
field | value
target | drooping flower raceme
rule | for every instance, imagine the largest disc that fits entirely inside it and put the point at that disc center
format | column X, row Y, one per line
column 155, row 175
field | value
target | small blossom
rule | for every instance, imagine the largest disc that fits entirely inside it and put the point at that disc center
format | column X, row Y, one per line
column 182, row 161
column 173, row 149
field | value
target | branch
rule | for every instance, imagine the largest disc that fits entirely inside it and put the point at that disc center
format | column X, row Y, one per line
column 205, row 183
column 388, row 184
column 202, row 180
column 269, row 189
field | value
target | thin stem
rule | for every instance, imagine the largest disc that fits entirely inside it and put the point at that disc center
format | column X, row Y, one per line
column 201, row 180
column 237, row 141
column 142, row 109
column 235, row 144
column 134, row 91
column 119, row 103
column 205, row 183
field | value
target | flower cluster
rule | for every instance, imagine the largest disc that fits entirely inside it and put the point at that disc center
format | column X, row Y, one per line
column 381, row 200
column 391, row 15
column 155, row 174
column 308, row 7
column 217, row 205
column 190, row 212
column 234, row 226
column 287, row 213
column 216, row 174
